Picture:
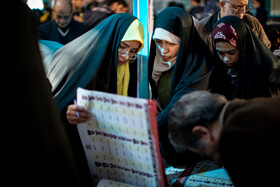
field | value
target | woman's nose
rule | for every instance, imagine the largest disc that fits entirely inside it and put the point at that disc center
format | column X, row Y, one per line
column 164, row 50
column 126, row 57
column 226, row 59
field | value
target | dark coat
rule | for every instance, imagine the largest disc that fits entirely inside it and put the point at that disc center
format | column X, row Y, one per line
column 205, row 27
column 249, row 141
column 37, row 151
column 93, row 18
column 48, row 31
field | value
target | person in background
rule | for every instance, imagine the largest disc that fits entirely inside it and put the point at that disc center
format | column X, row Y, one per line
column 230, row 7
column 176, row 4
column 100, row 62
column 261, row 12
column 63, row 29
column 274, row 82
column 179, row 62
column 78, row 10
column 211, row 6
column 98, row 14
column 46, row 12
column 122, row 8
column 241, row 134
column 244, row 63
column 273, row 34
column 89, row 4
column 196, row 9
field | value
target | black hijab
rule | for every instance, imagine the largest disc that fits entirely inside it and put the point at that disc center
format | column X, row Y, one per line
column 38, row 149
column 89, row 61
column 192, row 70
column 256, row 64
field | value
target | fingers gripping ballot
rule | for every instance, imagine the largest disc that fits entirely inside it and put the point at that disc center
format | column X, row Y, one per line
column 77, row 114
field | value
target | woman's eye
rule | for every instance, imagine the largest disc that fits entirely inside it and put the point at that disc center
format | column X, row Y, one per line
column 220, row 53
column 159, row 42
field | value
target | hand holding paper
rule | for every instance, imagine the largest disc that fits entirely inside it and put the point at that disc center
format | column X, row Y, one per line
column 77, row 114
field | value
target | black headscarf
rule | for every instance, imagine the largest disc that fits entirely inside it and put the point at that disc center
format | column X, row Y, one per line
column 38, row 149
column 256, row 63
column 90, row 61
column 192, row 69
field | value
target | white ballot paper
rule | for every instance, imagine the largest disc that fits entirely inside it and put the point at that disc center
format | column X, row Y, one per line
column 121, row 141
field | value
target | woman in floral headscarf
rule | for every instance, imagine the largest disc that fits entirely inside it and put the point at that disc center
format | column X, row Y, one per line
column 245, row 62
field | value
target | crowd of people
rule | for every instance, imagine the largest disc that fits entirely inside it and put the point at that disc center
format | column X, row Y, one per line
column 67, row 20
column 215, row 80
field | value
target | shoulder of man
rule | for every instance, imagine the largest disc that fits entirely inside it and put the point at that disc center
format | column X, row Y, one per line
column 253, row 112
column 257, row 28
column 250, row 136
column 79, row 26
column 204, row 28
column 45, row 29
column 252, row 21
column 48, row 24
column 207, row 23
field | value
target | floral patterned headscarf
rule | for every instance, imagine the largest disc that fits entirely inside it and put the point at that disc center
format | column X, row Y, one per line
column 226, row 32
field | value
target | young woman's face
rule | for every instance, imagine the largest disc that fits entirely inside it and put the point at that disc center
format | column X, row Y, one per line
column 127, row 51
column 167, row 50
column 227, row 53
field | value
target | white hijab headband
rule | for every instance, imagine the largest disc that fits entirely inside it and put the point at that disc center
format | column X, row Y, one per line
column 160, row 65
column 162, row 34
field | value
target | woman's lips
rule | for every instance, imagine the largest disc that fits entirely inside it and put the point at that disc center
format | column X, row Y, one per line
column 165, row 57
column 229, row 65
column 120, row 62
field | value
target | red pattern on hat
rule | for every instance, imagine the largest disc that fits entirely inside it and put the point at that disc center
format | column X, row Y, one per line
column 226, row 32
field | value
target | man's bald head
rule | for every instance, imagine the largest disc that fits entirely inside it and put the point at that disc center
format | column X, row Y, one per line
column 62, row 11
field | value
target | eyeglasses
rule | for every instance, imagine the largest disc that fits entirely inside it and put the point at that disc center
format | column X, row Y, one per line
column 124, row 53
column 239, row 7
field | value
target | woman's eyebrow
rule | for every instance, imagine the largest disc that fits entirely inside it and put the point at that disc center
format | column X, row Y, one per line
column 226, row 51
column 136, row 48
column 125, row 44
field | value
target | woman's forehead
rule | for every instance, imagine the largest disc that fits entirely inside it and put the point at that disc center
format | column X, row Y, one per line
column 132, row 43
column 224, row 46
